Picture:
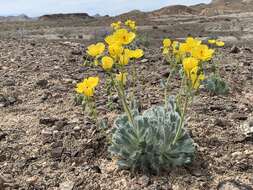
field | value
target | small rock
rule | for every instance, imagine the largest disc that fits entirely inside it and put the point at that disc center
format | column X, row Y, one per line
column 48, row 121
column 9, row 82
column 235, row 49
column 115, row 98
column 77, row 128
column 12, row 100
column 196, row 173
column 60, row 124
column 45, row 96
column 42, row 83
column 57, row 152
column 233, row 185
column 69, row 81
column 94, row 168
column 236, row 154
column 251, row 123
column 47, row 133
column 144, row 181
column 68, row 185
column 2, row 135
column 221, row 122
column 76, row 52
column 57, row 144
column 239, row 116
column 144, row 60
column 32, row 180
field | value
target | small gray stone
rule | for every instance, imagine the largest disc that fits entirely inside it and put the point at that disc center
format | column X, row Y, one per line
column 12, row 99
column 239, row 116
column 9, row 82
column 67, row 185
column 77, row 128
column 42, row 83
column 144, row 181
column 48, row 121
column 235, row 50
column 57, row 152
column 46, row 133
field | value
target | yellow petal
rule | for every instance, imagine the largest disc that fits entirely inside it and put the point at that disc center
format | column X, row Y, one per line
column 107, row 62
column 166, row 42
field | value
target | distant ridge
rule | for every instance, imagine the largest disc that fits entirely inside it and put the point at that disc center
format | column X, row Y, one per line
column 71, row 16
column 21, row 17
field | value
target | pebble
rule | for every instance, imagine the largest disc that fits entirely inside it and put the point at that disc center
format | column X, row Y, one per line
column 2, row 135
column 77, row 128
column 49, row 121
column 42, row 83
column 57, row 152
column 235, row 50
column 9, row 82
column 67, row 185
column 47, row 133
column 239, row 116
column 144, row 181
column 32, row 180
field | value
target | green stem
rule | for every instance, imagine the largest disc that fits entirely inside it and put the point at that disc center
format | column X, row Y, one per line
column 120, row 90
column 134, row 78
column 92, row 108
column 167, row 88
column 179, row 129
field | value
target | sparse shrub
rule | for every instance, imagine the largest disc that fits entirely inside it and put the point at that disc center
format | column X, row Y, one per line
column 216, row 85
column 143, row 40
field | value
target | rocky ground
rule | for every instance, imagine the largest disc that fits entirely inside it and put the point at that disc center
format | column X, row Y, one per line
column 47, row 142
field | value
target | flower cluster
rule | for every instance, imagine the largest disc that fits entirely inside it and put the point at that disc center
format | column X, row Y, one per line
column 112, row 56
column 192, row 54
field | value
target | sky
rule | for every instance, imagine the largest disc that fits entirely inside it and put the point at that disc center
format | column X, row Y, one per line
column 36, row 8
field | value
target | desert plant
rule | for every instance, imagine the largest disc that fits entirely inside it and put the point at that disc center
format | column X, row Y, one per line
column 153, row 144
column 156, row 139
column 216, row 85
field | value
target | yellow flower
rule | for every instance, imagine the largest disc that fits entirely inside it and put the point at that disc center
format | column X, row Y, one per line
column 110, row 40
column 131, row 24
column 122, row 78
column 175, row 47
column 193, row 42
column 115, row 50
column 79, row 87
column 136, row 54
column 87, row 86
column 202, row 52
column 124, row 37
column 123, row 59
column 189, row 63
column 116, row 25
column 220, row 43
column 92, row 82
column 184, row 48
column 196, row 78
column 107, row 62
column 88, row 91
column 166, row 43
column 95, row 50
column 211, row 41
